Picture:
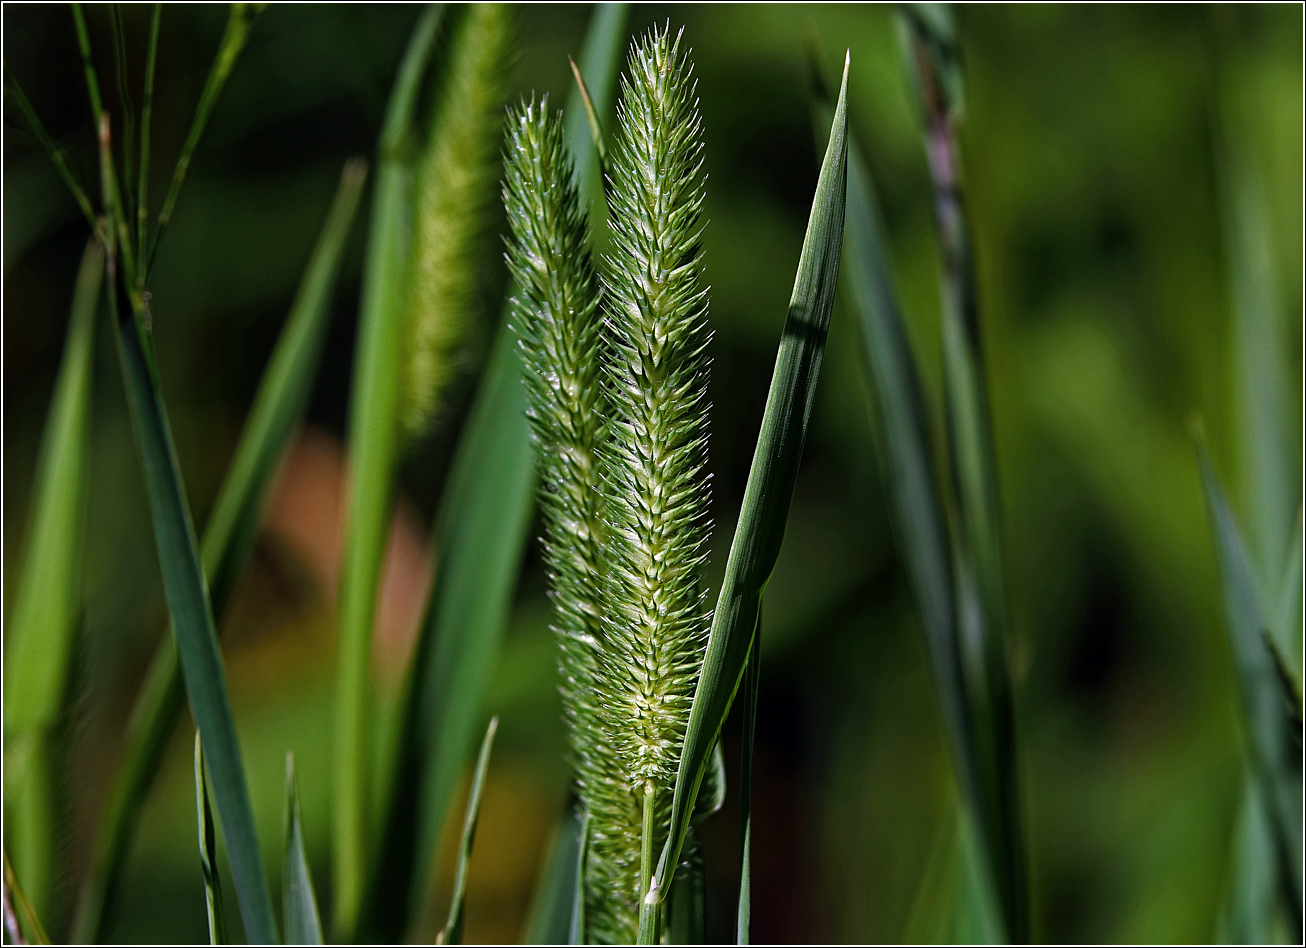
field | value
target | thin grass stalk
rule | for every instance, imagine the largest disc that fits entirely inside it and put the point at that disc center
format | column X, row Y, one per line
column 373, row 449
column 124, row 100
column 234, row 37
column 147, row 111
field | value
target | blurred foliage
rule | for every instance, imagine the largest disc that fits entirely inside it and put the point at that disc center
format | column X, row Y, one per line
column 1091, row 150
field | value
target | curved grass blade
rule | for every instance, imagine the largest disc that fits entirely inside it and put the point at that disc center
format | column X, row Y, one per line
column 229, row 538
column 549, row 920
column 1276, row 756
column 373, row 448
column 453, row 929
column 599, row 61
column 766, row 498
column 481, row 533
column 19, row 914
column 208, row 841
column 234, row 37
column 298, row 901
column 43, row 621
column 192, row 616
column 977, row 559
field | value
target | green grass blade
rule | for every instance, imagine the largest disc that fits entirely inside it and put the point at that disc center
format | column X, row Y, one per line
column 229, row 539
column 1268, row 481
column 192, row 617
column 44, row 615
column 910, row 468
column 548, row 922
column 234, row 37
column 481, row 532
column 687, row 903
column 599, row 61
column 577, row 934
column 1276, row 757
column 56, row 154
column 147, row 111
column 373, row 448
column 752, row 683
column 995, row 791
column 453, row 928
column 208, row 842
column 43, row 621
column 20, row 917
column 298, row 901
column 768, row 493
column 1246, row 915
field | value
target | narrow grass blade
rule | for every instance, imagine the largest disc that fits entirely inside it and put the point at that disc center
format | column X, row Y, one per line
column 229, row 539
column 453, row 929
column 712, row 794
column 599, row 61
column 298, row 901
column 549, row 920
column 1268, row 480
column 752, row 682
column 124, row 100
column 208, row 841
column 43, row 621
column 1276, row 756
column 234, row 37
column 766, row 498
column 44, row 615
column 577, row 934
column 687, row 903
column 147, row 111
column 910, row 468
column 88, row 64
column 591, row 116
column 192, row 617
column 481, row 533
column 373, row 447
column 977, row 558
column 56, row 154
column 20, row 917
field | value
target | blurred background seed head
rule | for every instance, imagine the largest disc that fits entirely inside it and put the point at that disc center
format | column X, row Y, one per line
column 1096, row 145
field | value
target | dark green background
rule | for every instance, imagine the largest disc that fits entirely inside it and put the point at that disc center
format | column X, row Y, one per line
column 1094, row 146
